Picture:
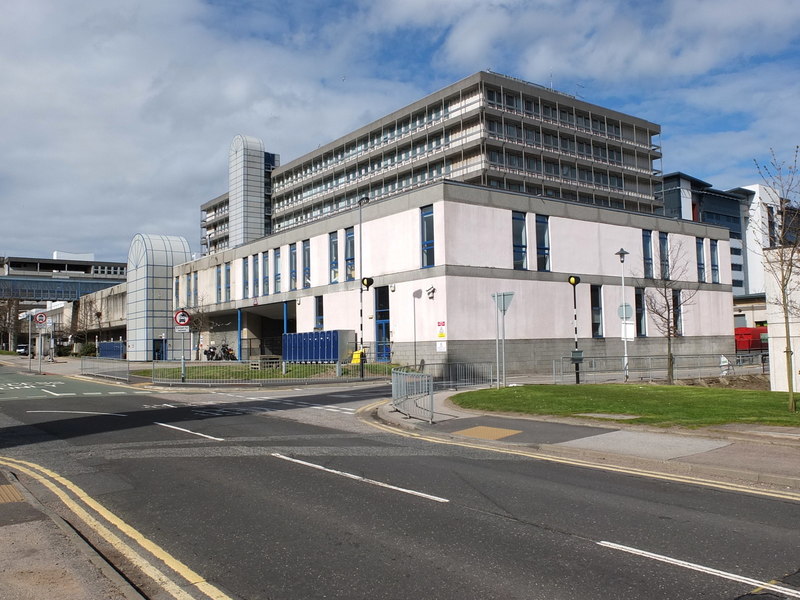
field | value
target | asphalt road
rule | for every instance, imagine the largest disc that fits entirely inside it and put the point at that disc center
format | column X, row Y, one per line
column 289, row 494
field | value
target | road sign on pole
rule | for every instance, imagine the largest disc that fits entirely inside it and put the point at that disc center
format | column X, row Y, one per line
column 182, row 317
column 40, row 318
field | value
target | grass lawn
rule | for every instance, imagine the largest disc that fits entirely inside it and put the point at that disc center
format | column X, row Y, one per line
column 238, row 371
column 658, row 405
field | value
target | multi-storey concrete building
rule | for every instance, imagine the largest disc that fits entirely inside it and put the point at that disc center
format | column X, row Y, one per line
column 490, row 185
column 487, row 129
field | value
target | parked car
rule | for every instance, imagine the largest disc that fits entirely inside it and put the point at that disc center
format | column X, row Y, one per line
column 22, row 349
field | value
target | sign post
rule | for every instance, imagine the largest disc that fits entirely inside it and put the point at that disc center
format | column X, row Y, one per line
column 503, row 301
column 182, row 320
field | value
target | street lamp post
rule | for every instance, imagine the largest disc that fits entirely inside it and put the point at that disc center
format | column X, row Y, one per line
column 623, row 315
column 577, row 356
column 361, row 201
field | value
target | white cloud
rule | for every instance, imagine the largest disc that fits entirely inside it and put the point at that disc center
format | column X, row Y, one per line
column 117, row 117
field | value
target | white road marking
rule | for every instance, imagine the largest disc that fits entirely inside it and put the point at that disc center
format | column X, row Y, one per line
column 54, row 394
column 211, row 437
column 77, row 412
column 359, row 478
column 116, row 393
column 92, row 393
column 695, row 567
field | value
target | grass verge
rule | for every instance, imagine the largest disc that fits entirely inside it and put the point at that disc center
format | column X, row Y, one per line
column 661, row 406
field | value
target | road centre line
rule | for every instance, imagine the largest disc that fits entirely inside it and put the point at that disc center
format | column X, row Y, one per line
column 210, row 437
column 77, row 412
column 174, row 589
column 54, row 394
column 702, row 569
column 359, row 478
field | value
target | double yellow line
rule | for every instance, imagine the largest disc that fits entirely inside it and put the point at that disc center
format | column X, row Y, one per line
column 112, row 529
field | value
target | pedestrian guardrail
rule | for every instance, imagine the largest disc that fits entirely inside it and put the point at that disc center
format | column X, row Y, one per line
column 260, row 372
column 610, row 369
column 412, row 394
column 112, row 368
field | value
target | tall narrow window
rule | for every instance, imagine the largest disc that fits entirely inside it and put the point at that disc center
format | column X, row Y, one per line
column 265, row 273
column 349, row 254
column 219, row 283
column 177, row 292
column 245, row 277
column 701, row 259
column 277, row 269
column 255, row 276
column 677, row 312
column 519, row 240
column 663, row 254
column 292, row 266
column 188, row 278
column 641, row 315
column 597, row 310
column 772, row 228
column 319, row 316
column 426, row 219
column 306, row 263
column 227, row 282
column 542, row 242
column 333, row 256
column 647, row 253
column 714, row 262
column 194, row 289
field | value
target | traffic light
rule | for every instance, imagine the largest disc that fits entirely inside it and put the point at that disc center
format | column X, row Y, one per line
column 367, row 281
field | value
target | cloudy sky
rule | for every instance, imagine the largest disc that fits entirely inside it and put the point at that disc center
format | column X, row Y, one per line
column 116, row 115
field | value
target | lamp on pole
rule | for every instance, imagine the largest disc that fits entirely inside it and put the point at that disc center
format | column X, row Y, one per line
column 577, row 355
column 623, row 314
column 361, row 201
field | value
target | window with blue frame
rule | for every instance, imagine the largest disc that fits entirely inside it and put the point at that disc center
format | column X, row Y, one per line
column 714, row 262
column 519, row 240
column 333, row 256
column 677, row 312
column 647, row 253
column 292, row 266
column 349, row 254
column 596, row 293
column 306, row 263
column 177, row 292
column 663, row 254
column 542, row 243
column 194, row 289
column 700, row 245
column 319, row 315
column 219, row 283
column 427, row 236
column 255, row 276
column 188, row 278
column 227, row 282
column 245, row 277
column 265, row 273
column 277, row 269
column 641, row 315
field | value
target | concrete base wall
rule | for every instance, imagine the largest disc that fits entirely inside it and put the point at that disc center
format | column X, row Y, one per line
column 535, row 357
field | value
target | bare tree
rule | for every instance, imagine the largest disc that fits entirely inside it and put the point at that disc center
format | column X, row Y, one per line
column 782, row 227
column 9, row 321
column 666, row 300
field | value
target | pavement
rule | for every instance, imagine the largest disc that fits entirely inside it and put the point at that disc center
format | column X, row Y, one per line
column 42, row 557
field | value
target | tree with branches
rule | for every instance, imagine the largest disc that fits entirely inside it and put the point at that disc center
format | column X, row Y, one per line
column 665, row 301
column 781, row 230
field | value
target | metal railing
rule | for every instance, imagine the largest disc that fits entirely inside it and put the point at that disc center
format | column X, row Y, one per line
column 610, row 369
column 258, row 372
column 412, row 394
column 452, row 376
column 112, row 368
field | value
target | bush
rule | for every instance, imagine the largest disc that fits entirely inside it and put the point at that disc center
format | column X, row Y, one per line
column 89, row 349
